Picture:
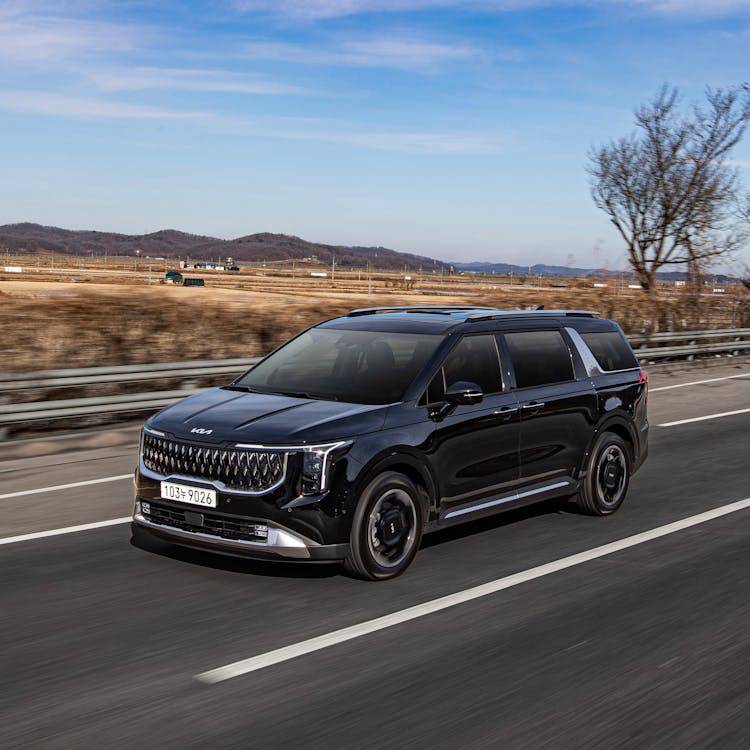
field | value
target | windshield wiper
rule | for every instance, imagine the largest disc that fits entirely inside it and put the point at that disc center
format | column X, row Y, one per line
column 297, row 394
column 238, row 387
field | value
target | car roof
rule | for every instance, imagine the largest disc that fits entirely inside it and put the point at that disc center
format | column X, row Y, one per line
column 440, row 319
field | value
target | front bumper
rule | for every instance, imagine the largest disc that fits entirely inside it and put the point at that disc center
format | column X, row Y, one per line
column 280, row 544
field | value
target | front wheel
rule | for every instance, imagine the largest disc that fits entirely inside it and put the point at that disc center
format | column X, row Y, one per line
column 607, row 476
column 386, row 529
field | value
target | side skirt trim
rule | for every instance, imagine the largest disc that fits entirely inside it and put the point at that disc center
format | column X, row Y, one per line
column 512, row 497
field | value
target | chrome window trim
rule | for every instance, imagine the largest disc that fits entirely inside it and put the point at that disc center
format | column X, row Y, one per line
column 590, row 362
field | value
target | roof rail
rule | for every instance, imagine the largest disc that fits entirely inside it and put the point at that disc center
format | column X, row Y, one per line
column 494, row 314
column 433, row 309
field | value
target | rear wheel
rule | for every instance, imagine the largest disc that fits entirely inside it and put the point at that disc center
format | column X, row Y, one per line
column 607, row 476
column 386, row 529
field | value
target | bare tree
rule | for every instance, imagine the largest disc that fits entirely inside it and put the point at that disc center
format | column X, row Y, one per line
column 669, row 188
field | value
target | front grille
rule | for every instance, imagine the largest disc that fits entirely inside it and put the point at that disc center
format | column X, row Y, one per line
column 243, row 470
column 213, row 523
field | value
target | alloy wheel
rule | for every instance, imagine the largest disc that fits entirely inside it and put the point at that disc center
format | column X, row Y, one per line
column 392, row 527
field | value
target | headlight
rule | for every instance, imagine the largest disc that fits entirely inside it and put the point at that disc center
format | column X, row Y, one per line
column 316, row 464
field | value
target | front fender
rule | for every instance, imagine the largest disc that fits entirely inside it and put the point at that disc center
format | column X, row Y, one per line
column 402, row 458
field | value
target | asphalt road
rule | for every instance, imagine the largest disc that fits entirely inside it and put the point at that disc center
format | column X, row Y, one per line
column 648, row 646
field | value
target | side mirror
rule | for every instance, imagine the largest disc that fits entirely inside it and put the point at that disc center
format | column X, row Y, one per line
column 463, row 393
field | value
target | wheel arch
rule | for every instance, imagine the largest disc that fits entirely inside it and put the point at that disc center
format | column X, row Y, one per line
column 410, row 466
column 620, row 427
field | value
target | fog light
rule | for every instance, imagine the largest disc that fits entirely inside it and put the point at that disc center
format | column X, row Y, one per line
column 146, row 508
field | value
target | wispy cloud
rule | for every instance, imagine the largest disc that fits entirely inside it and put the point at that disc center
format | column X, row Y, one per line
column 60, row 105
column 693, row 7
column 321, row 9
column 312, row 10
column 440, row 144
column 55, row 105
column 185, row 79
column 435, row 143
column 377, row 52
column 53, row 39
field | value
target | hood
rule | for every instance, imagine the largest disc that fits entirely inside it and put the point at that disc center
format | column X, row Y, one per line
column 265, row 418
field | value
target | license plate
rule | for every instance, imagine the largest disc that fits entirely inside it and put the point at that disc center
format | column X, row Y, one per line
column 185, row 493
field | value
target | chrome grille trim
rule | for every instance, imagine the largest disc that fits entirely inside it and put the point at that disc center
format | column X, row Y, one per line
column 247, row 472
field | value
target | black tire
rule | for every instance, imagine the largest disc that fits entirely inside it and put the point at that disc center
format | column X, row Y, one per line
column 386, row 529
column 607, row 477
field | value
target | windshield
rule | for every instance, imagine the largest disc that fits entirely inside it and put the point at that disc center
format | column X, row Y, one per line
column 361, row 367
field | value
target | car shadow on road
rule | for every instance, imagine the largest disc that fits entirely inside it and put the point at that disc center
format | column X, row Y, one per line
column 274, row 568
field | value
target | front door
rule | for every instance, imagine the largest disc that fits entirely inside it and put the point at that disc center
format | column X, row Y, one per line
column 475, row 449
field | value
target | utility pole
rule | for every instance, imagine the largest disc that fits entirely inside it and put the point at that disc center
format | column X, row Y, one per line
column 333, row 269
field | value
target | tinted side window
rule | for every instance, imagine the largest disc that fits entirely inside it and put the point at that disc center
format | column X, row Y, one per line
column 475, row 360
column 611, row 350
column 539, row 357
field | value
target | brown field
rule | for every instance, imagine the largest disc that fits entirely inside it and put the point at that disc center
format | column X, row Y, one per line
column 65, row 312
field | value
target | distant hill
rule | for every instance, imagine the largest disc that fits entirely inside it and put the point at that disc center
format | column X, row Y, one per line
column 541, row 269
column 170, row 243
column 264, row 246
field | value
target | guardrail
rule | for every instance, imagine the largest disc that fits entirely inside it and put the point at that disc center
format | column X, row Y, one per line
column 123, row 374
column 717, row 333
column 649, row 349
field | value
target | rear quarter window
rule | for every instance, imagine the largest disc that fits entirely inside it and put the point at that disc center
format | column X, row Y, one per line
column 611, row 350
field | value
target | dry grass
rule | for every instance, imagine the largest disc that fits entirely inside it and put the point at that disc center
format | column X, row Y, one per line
column 62, row 324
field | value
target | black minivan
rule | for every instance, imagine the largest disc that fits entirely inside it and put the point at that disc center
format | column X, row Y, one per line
column 364, row 432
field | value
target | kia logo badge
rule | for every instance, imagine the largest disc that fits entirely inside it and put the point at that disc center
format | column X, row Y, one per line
column 201, row 431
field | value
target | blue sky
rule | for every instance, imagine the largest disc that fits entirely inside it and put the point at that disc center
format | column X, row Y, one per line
column 454, row 128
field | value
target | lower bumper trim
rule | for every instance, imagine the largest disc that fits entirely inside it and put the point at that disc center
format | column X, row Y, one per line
column 281, row 544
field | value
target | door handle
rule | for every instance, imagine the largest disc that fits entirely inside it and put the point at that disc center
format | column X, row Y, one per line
column 506, row 411
column 533, row 405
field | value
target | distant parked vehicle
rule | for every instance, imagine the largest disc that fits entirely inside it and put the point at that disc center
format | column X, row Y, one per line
column 173, row 277
column 177, row 279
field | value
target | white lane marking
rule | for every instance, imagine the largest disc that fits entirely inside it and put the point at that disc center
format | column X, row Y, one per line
column 420, row 610
column 65, row 530
column 703, row 419
column 698, row 382
column 56, row 487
